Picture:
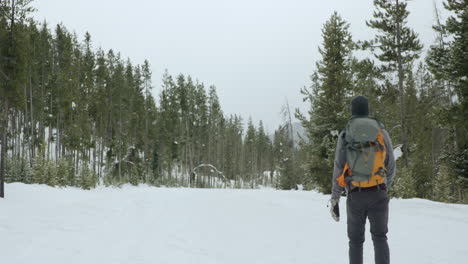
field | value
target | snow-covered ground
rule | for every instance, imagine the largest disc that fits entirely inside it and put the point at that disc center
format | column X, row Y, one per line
column 39, row 224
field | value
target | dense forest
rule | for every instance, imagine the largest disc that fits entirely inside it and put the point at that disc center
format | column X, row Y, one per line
column 72, row 115
column 76, row 115
column 420, row 98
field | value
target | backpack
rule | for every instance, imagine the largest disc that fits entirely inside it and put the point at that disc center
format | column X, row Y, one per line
column 365, row 153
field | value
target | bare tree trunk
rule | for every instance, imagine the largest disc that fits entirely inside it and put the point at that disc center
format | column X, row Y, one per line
column 120, row 140
column 49, row 137
column 16, row 130
column 24, row 119
column 101, row 156
column 41, row 133
column 76, row 156
column 94, row 151
column 57, row 137
column 401, row 89
column 190, row 149
column 4, row 147
column 63, row 147
column 33, row 124
column 145, row 144
column 12, row 137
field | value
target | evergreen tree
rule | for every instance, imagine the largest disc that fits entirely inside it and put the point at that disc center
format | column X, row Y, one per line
column 13, row 15
column 284, row 158
column 146, row 75
column 328, row 98
column 447, row 60
column 263, row 149
column 396, row 46
column 250, row 152
column 215, row 121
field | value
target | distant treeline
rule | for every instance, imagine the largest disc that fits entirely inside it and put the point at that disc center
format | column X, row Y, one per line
column 75, row 116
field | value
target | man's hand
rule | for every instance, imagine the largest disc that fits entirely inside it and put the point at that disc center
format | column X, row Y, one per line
column 335, row 209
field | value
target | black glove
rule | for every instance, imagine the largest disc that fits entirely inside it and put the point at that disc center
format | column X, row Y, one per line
column 335, row 209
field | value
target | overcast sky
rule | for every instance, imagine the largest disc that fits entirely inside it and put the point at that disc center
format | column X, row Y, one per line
column 256, row 52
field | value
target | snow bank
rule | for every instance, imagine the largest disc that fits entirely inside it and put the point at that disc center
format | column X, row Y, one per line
column 39, row 224
column 398, row 152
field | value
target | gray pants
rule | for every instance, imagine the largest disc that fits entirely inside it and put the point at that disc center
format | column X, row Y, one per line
column 372, row 205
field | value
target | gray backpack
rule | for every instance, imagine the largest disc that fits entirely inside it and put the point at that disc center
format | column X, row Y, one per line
column 365, row 152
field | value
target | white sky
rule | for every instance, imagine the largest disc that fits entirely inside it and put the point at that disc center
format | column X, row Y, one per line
column 256, row 52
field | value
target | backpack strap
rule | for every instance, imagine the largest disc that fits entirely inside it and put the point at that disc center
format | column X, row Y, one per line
column 381, row 125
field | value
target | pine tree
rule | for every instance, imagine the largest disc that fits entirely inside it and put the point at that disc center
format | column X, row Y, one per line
column 328, row 98
column 447, row 60
column 215, row 119
column 285, row 160
column 250, row 152
column 146, row 75
column 43, row 112
column 201, row 131
column 12, row 17
column 263, row 149
column 397, row 47
column 231, row 140
column 98, row 105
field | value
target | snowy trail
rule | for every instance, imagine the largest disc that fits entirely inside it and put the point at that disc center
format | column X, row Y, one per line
column 39, row 224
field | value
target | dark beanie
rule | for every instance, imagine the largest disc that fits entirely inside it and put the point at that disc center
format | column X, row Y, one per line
column 360, row 106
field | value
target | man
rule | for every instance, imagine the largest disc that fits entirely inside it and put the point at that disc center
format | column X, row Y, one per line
column 364, row 141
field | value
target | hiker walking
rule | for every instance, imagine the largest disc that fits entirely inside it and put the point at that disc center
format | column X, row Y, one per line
column 365, row 168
